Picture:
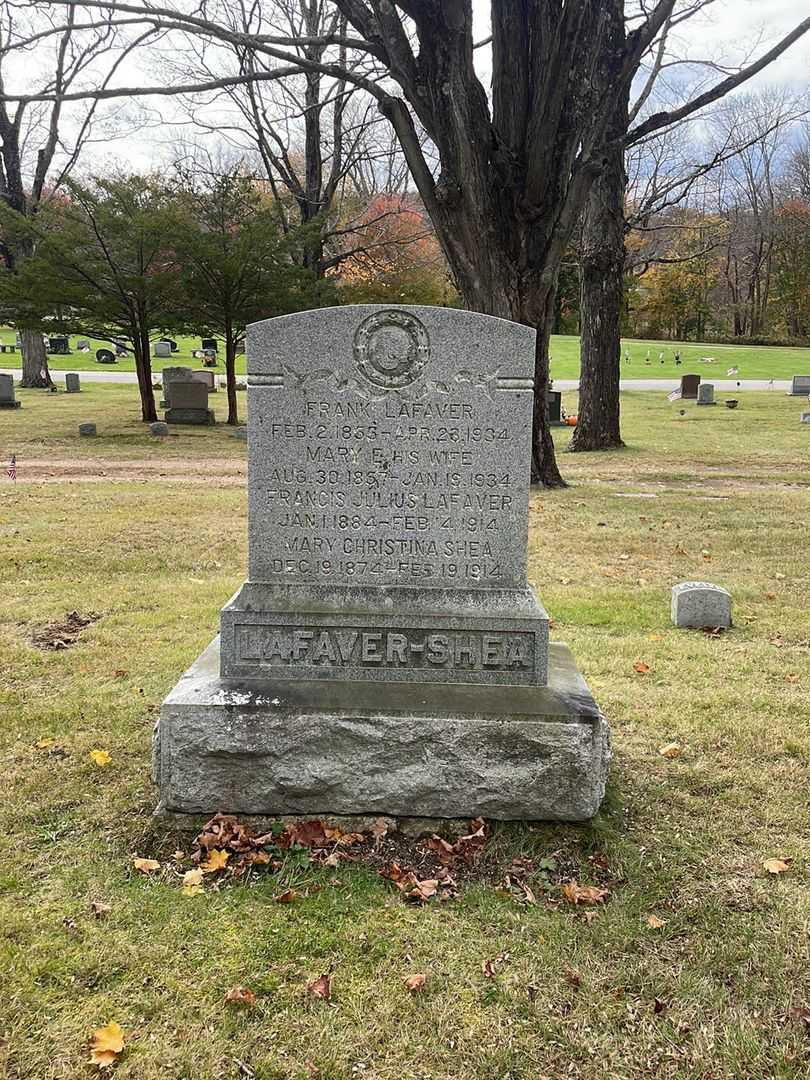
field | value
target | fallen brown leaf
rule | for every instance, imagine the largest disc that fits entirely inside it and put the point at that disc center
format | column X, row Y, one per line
column 584, row 894
column 192, row 882
column 216, row 861
column 146, row 866
column 670, row 750
column 106, row 1044
column 240, row 995
column 654, row 922
column 641, row 668
column 286, row 897
column 414, row 983
column 777, row 866
column 801, row 1014
column 100, row 909
column 321, row 988
column 379, row 830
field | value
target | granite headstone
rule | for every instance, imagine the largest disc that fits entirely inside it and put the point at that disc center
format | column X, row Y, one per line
column 689, row 387
column 188, row 400
column 207, row 377
column 72, row 383
column 163, row 348
column 7, row 398
column 696, row 604
column 705, row 394
column 800, row 386
column 386, row 654
column 554, row 408
column 170, row 375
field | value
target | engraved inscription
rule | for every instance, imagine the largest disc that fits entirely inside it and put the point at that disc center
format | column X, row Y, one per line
column 369, row 647
column 424, row 484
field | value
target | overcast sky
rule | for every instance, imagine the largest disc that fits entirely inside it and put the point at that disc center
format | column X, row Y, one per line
column 730, row 32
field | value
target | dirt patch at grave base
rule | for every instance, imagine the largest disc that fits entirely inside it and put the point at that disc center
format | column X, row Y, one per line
column 62, row 633
column 223, row 471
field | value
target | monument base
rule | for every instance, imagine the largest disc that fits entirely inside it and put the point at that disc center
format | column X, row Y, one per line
column 10, row 404
column 189, row 416
column 427, row 750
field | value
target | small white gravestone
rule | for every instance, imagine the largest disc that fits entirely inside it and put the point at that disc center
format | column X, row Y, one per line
column 699, row 603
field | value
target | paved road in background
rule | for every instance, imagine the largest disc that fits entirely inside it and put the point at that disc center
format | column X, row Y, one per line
column 664, row 385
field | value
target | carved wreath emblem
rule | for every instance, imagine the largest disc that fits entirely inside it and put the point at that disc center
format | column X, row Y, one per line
column 391, row 348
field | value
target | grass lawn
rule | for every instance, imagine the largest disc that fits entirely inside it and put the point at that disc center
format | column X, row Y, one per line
column 151, row 537
column 753, row 361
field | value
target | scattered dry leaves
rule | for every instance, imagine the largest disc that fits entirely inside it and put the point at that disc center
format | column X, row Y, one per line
column 106, row 1044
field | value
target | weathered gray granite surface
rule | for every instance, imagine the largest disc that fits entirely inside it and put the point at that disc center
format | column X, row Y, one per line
column 432, row 750
column 386, row 653
column 696, row 604
column 388, row 488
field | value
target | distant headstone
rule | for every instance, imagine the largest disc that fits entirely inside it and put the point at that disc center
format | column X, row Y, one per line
column 104, row 356
column 698, row 603
column 386, row 654
column 554, row 408
column 207, row 377
column 7, row 399
column 705, row 394
column 173, row 375
column 172, row 344
column 87, row 429
column 805, row 417
column 72, row 383
column 208, row 344
column 689, row 387
column 59, row 345
column 158, row 427
column 800, row 387
column 189, row 403
column 82, row 344
column 163, row 348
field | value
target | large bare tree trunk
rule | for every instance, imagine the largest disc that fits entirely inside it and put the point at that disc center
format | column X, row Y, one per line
column 35, row 371
column 601, row 299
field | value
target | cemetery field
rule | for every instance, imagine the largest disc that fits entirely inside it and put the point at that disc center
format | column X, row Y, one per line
column 696, row 961
column 752, row 361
